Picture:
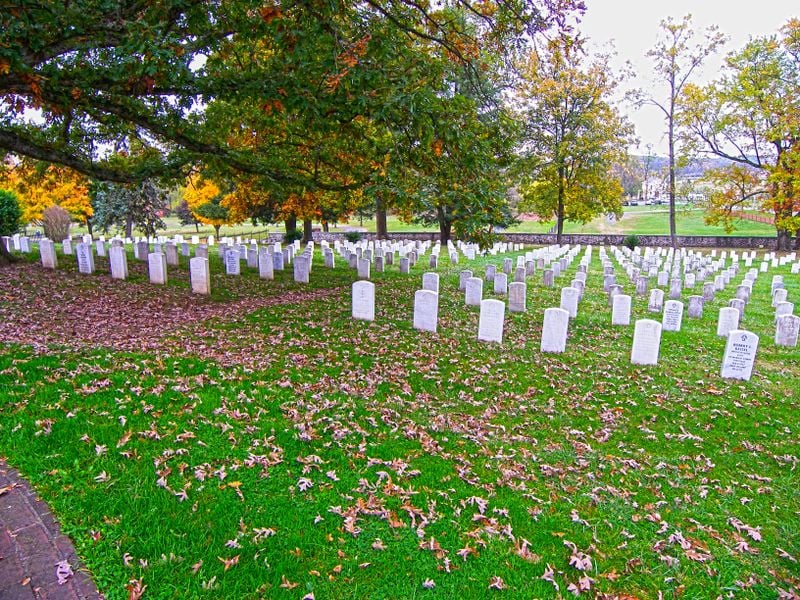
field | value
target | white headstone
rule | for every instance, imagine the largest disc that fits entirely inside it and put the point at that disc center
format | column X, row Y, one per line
column 554, row 330
column 118, row 262
column 501, row 284
column 47, row 252
column 673, row 316
column 656, row 302
column 473, row 294
column 784, row 308
column 301, row 268
column 200, row 275
column 462, row 279
column 740, row 354
column 364, row 300
column 569, row 300
column 728, row 321
column 266, row 266
column 517, row 291
column 157, row 268
column 646, row 342
column 787, row 328
column 232, row 264
column 430, row 281
column 621, row 310
column 490, row 323
column 85, row 258
column 426, row 310
column 363, row 268
column 695, row 310
column 66, row 246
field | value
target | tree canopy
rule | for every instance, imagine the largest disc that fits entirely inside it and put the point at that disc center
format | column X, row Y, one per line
column 749, row 116
column 99, row 70
column 574, row 136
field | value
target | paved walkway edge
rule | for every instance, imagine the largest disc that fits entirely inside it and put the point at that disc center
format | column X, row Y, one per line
column 32, row 546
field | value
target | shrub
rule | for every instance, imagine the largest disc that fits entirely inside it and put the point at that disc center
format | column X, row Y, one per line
column 56, row 222
column 630, row 241
column 353, row 236
column 10, row 213
column 290, row 236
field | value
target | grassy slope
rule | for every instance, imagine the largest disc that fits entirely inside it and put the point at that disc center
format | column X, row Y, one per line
column 347, row 437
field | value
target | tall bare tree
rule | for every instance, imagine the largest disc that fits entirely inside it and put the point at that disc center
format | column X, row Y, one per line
column 677, row 56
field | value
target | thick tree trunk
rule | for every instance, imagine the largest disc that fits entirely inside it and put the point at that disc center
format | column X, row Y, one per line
column 326, row 226
column 216, row 231
column 89, row 227
column 380, row 219
column 445, row 225
column 129, row 226
column 290, row 223
column 308, row 230
column 783, row 242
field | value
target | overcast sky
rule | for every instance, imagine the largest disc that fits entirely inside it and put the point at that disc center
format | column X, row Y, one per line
column 633, row 26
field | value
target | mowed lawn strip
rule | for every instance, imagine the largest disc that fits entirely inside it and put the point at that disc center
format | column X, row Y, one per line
column 307, row 453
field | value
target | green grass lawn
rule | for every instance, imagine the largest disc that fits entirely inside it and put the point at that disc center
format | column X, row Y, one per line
column 262, row 444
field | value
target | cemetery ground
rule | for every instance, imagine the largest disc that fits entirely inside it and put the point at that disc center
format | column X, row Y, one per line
column 261, row 443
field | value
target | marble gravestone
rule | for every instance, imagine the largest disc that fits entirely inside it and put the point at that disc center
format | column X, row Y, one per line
column 672, row 318
column 695, row 310
column 462, row 279
column 473, row 291
column 646, row 342
column 426, row 310
column 430, row 281
column 266, row 265
column 569, row 301
column 740, row 355
column 621, row 310
column 490, row 322
column 554, row 330
column 232, row 264
column 200, row 275
column 787, row 329
column 85, row 258
column 728, row 321
column 656, row 302
column 301, row 267
column 157, row 268
column 363, row 268
column 501, row 284
column 517, row 292
column 118, row 262
column 363, row 300
column 47, row 253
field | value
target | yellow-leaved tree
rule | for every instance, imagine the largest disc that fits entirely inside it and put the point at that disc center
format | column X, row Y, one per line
column 205, row 200
column 39, row 186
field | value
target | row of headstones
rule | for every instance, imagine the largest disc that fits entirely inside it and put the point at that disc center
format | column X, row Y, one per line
column 426, row 301
column 740, row 348
column 786, row 329
column 426, row 309
column 376, row 256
